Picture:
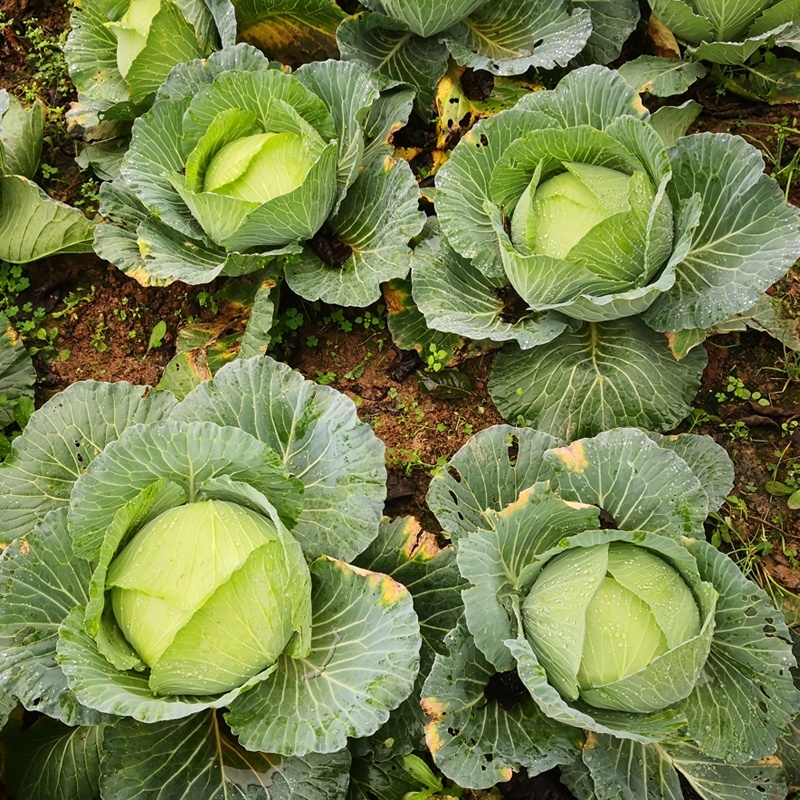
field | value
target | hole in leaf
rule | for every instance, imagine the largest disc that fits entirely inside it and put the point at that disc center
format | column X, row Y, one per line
column 477, row 84
column 514, row 307
column 506, row 689
column 513, row 450
column 330, row 248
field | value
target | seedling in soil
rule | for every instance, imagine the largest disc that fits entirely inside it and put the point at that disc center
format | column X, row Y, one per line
column 435, row 358
column 735, row 388
column 157, row 336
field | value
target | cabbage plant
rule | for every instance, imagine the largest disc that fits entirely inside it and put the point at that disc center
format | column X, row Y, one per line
column 602, row 633
column 32, row 224
column 118, row 54
column 749, row 45
column 167, row 559
column 412, row 40
column 603, row 245
column 240, row 163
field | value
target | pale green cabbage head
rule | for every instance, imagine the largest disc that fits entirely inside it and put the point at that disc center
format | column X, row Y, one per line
column 552, row 217
column 636, row 608
column 210, row 579
column 131, row 31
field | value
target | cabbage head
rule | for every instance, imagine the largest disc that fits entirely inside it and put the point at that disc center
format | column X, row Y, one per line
column 171, row 611
column 118, row 54
column 636, row 609
column 601, row 632
column 178, row 559
column 602, row 244
column 240, row 163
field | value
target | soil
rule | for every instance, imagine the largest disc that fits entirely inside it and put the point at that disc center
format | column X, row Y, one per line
column 105, row 321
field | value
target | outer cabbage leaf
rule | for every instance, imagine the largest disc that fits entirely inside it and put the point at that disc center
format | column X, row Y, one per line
column 390, row 49
column 17, row 375
column 603, row 376
column 474, row 740
column 661, row 77
column 33, row 225
column 363, row 661
column 290, row 31
column 194, row 758
column 455, row 297
column 613, row 21
column 409, row 327
column 62, row 438
column 41, row 581
column 639, row 484
column 708, row 461
column 413, row 558
column 375, row 222
column 749, row 666
column 508, row 37
column 50, row 761
column 487, row 474
column 650, row 772
column 732, row 258
column 319, row 440
column 426, row 17
column 20, row 136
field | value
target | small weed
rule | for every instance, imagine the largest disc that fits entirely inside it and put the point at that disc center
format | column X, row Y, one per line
column 97, row 338
column 776, row 145
column 735, row 388
column 209, row 301
column 324, row 378
column 88, row 196
column 286, row 325
column 435, row 358
column 338, row 318
column 369, row 320
column 355, row 373
column 74, row 300
column 157, row 336
column 789, row 484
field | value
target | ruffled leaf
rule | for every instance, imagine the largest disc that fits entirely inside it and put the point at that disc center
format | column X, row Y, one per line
column 603, row 376
column 50, row 761
column 193, row 759
column 478, row 740
column 374, row 224
column 640, row 485
column 41, row 581
column 319, row 439
column 363, row 661
column 62, row 438
column 487, row 474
